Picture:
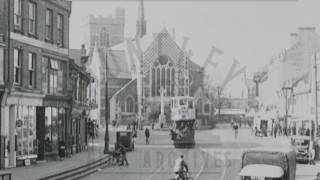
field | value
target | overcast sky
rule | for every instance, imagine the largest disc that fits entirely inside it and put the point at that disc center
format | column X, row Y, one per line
column 250, row 31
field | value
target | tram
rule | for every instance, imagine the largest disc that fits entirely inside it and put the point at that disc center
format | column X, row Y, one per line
column 183, row 117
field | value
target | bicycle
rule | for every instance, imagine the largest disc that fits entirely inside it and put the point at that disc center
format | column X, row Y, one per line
column 115, row 158
column 184, row 176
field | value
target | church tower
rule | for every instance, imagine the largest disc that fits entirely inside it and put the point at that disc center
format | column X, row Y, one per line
column 141, row 22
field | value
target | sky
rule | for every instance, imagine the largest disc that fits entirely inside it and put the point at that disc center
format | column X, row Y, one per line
column 250, row 31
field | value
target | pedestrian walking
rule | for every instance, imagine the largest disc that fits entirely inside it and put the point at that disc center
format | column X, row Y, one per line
column 123, row 156
column 147, row 134
column 235, row 127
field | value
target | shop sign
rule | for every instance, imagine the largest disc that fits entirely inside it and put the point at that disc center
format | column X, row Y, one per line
column 19, row 123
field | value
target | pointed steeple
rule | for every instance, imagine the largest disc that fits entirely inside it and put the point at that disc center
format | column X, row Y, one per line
column 141, row 22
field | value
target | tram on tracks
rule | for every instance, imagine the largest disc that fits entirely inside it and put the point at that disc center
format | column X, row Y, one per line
column 183, row 117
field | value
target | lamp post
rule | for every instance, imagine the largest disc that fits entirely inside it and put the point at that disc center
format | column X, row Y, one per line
column 316, row 95
column 285, row 92
column 106, row 137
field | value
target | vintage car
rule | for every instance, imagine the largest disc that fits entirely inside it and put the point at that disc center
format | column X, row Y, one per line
column 303, row 145
column 268, row 164
column 124, row 138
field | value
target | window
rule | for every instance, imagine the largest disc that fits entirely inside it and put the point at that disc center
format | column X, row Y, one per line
column 55, row 73
column 199, row 106
column 26, row 131
column 130, row 104
column 17, row 14
column 17, row 65
column 49, row 24
column 1, row 65
column 60, row 29
column 206, row 108
column 31, row 68
column 32, row 18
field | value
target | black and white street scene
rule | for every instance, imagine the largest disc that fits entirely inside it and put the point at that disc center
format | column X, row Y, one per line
column 159, row 90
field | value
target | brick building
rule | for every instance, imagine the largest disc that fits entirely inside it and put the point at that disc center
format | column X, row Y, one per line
column 35, row 104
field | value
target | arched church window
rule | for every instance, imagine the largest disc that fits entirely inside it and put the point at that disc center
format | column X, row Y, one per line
column 153, row 88
column 173, row 75
column 199, row 105
column 123, row 107
column 129, row 104
column 168, row 82
column 163, row 78
column 104, row 37
column 158, row 82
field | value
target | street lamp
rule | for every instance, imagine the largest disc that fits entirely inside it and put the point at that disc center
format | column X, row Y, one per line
column 285, row 91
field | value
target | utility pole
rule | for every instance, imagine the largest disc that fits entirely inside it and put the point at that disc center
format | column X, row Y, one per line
column 316, row 94
column 106, row 137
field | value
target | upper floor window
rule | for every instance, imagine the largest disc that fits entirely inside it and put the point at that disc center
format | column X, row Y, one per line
column 31, row 68
column 49, row 24
column 60, row 29
column 17, row 65
column 55, row 73
column 17, row 14
column 1, row 65
column 32, row 18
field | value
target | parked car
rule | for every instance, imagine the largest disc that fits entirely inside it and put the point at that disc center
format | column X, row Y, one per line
column 125, row 139
column 268, row 163
column 304, row 147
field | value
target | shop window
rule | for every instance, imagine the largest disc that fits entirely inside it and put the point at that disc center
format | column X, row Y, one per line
column 17, row 14
column 54, row 128
column 26, row 131
column 32, row 17
column 31, row 69
column 17, row 65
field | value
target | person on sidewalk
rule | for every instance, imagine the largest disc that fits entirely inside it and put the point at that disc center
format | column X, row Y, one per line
column 123, row 156
column 235, row 127
column 147, row 134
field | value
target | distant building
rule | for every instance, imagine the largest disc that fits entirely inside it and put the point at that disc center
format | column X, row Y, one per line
column 101, row 33
column 287, row 73
column 82, row 89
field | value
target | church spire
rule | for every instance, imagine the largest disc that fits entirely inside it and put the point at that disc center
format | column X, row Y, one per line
column 141, row 22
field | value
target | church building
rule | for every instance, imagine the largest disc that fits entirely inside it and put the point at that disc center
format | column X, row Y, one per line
column 156, row 63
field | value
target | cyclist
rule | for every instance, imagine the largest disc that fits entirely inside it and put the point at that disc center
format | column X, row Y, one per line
column 180, row 167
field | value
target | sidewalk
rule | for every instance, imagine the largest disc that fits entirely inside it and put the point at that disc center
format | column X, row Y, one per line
column 39, row 170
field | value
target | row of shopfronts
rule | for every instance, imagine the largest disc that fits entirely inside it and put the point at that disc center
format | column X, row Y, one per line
column 38, row 126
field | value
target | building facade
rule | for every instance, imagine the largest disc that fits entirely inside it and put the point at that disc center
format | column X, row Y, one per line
column 35, row 107
column 82, row 89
